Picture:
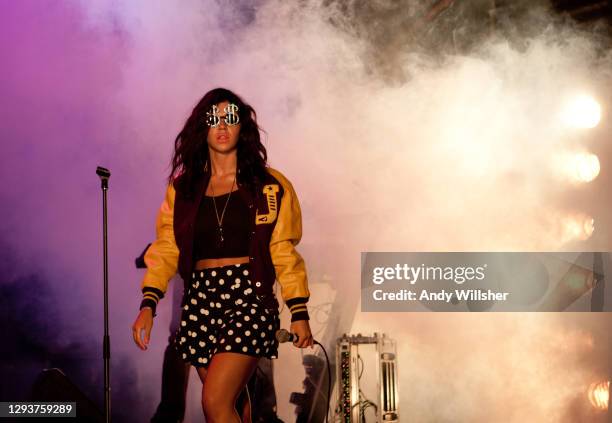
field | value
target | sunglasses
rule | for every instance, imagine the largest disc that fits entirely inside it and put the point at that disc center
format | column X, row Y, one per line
column 231, row 118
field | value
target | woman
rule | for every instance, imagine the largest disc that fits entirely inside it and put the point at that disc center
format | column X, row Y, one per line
column 229, row 225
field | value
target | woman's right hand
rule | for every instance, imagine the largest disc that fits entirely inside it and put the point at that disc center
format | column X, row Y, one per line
column 144, row 322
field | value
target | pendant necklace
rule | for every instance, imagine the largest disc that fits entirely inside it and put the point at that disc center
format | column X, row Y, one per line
column 220, row 220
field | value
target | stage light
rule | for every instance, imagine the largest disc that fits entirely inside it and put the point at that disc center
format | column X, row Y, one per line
column 599, row 395
column 582, row 111
column 577, row 167
column 578, row 227
column 586, row 167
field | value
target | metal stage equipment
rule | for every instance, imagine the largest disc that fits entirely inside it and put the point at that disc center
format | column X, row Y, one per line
column 351, row 401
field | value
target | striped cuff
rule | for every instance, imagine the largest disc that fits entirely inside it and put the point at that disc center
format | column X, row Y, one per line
column 151, row 297
column 298, row 309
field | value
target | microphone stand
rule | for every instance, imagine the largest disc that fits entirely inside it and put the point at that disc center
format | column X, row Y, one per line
column 104, row 175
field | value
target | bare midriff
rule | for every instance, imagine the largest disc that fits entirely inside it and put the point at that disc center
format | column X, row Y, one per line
column 218, row 262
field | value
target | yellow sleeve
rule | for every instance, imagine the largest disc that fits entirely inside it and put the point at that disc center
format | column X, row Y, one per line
column 288, row 263
column 162, row 256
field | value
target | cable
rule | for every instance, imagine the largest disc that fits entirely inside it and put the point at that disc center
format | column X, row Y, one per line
column 363, row 402
column 362, row 366
column 328, row 379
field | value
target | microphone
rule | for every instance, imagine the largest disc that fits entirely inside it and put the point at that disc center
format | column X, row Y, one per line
column 104, row 175
column 283, row 335
column 103, row 172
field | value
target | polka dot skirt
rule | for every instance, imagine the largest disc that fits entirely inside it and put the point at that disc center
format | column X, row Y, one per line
column 221, row 313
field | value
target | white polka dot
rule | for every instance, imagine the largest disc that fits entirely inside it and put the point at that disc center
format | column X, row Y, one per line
column 228, row 347
column 245, row 349
column 193, row 301
column 183, row 323
column 200, row 294
column 257, row 351
column 263, row 335
column 192, row 350
column 183, row 339
column 207, row 282
column 254, row 342
column 239, row 324
column 247, row 333
column 188, row 333
column 223, row 341
column 204, row 360
column 200, row 360
column 219, row 321
column 229, row 272
column 230, row 332
column 202, row 311
column 237, row 281
column 197, row 284
column 202, row 327
column 212, row 304
column 246, row 272
column 253, row 311
column 238, row 339
column 221, row 281
column 212, row 320
column 211, row 337
column 193, row 334
column 184, row 356
column 237, row 265
column 239, row 301
column 255, row 326
column 263, row 318
column 186, row 307
column 201, row 274
column 270, row 327
column 218, row 305
column 213, row 273
column 265, row 342
column 201, row 343
column 247, row 318
column 272, row 356
column 203, row 296
column 248, row 291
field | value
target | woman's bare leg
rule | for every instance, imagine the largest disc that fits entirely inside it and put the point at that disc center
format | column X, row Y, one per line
column 243, row 402
column 225, row 378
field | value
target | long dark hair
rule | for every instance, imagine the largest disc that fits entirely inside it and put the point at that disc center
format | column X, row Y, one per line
column 191, row 148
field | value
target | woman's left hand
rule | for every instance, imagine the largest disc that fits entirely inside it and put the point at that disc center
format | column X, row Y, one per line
column 301, row 328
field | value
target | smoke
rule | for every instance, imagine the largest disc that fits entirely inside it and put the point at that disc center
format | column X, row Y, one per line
column 398, row 132
column 497, row 367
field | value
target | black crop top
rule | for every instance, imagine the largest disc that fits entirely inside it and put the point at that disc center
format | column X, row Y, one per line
column 235, row 243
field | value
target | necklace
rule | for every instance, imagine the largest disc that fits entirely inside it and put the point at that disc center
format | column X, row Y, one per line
column 220, row 220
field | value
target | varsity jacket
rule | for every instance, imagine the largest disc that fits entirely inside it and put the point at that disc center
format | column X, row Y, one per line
column 276, row 228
